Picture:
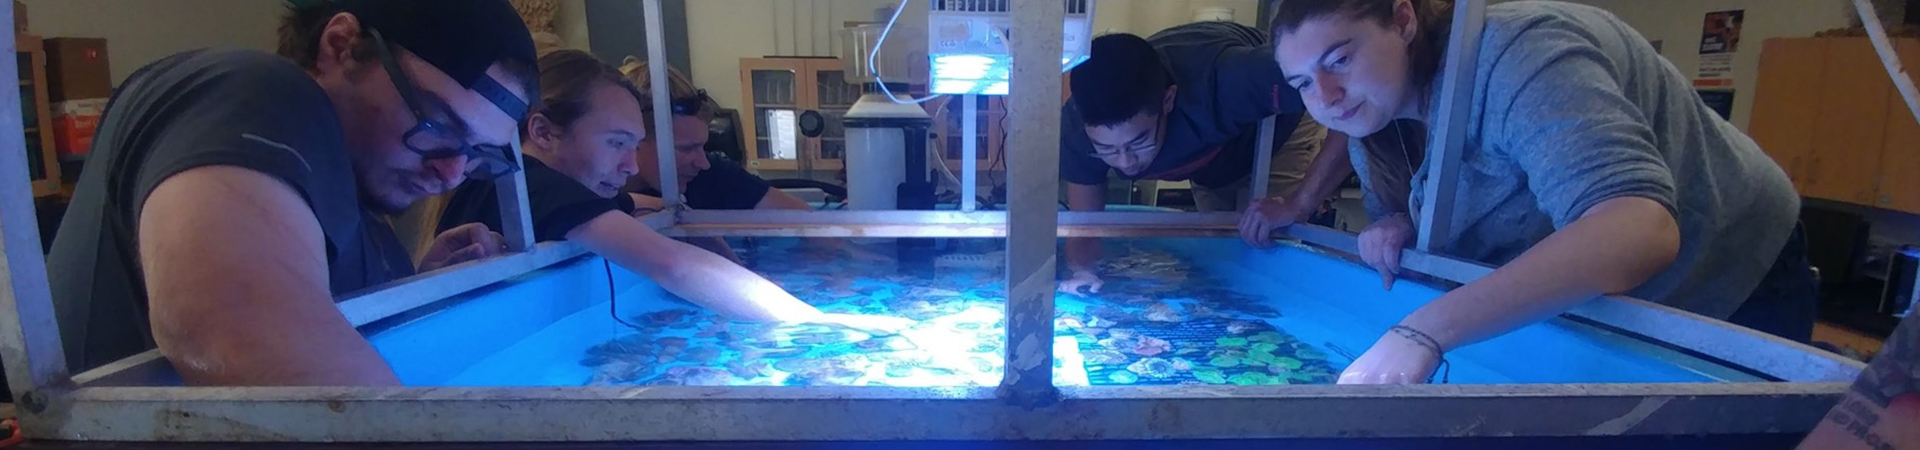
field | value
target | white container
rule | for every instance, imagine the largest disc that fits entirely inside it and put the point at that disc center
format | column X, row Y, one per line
column 876, row 165
column 876, row 158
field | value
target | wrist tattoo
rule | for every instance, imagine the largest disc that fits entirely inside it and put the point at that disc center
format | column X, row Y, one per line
column 1857, row 418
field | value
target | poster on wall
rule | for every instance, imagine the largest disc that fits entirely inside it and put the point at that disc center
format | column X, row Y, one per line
column 1719, row 40
column 1721, row 32
column 1719, row 100
column 1716, row 67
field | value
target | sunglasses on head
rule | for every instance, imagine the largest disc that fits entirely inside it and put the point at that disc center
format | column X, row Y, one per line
column 684, row 106
column 433, row 139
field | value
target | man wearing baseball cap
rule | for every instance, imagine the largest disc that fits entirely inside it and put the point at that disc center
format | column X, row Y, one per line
column 233, row 195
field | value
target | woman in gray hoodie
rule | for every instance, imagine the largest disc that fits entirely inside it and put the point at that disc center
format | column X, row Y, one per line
column 1590, row 168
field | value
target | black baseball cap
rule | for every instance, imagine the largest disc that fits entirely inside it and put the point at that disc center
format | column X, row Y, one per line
column 460, row 37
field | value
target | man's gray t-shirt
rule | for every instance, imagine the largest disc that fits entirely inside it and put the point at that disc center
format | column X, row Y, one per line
column 1572, row 108
column 240, row 108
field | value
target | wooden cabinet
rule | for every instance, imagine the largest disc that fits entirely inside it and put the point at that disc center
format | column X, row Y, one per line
column 36, row 117
column 1900, row 150
column 1826, row 111
column 1783, row 102
column 777, row 91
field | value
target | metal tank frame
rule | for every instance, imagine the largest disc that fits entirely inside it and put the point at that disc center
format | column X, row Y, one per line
column 138, row 399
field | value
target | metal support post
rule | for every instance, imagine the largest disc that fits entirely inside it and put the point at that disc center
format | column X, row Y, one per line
column 1450, row 123
column 29, row 334
column 1032, row 211
column 511, row 191
column 662, row 108
column 1262, row 162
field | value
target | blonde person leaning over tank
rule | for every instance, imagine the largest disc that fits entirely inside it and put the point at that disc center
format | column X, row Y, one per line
column 580, row 147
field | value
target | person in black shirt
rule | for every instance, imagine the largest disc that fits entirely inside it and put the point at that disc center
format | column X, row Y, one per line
column 232, row 195
column 705, row 182
column 580, row 148
column 1186, row 104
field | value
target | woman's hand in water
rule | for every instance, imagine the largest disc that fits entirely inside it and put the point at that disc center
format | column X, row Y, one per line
column 869, row 324
column 1394, row 359
column 1380, row 245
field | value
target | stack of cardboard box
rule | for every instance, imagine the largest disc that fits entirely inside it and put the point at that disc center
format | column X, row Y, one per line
column 78, row 83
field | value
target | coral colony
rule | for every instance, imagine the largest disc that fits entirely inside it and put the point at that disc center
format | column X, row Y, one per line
column 1157, row 322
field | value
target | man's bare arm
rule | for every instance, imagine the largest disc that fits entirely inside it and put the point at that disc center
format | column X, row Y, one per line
column 778, row 199
column 1882, row 410
column 236, row 276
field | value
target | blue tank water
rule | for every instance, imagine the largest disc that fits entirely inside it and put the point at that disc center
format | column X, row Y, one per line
column 1173, row 311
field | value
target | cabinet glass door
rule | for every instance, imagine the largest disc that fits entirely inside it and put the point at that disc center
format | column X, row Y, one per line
column 835, row 96
column 776, row 105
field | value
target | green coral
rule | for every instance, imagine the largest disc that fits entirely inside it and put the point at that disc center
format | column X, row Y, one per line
column 1225, row 361
column 1286, row 362
column 1210, row 376
column 1231, row 342
column 1123, row 377
column 1265, row 347
column 1249, row 379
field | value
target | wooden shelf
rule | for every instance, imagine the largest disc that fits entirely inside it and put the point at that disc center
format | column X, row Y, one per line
column 31, row 52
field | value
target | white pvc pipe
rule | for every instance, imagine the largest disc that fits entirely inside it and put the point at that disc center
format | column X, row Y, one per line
column 1888, row 57
column 969, row 128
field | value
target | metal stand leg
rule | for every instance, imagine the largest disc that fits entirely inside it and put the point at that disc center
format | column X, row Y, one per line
column 1456, row 96
column 663, row 115
column 516, row 225
column 1032, row 213
column 29, row 334
column 1262, row 163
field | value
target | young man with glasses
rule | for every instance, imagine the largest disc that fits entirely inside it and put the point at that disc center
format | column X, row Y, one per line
column 1185, row 105
column 233, row 195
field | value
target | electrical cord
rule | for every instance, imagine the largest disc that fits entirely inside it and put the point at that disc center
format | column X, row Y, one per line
column 935, row 152
column 613, row 305
column 999, row 158
column 872, row 54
